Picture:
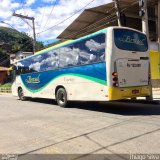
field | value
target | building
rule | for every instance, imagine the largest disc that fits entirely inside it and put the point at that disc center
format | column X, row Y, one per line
column 18, row 56
column 4, row 75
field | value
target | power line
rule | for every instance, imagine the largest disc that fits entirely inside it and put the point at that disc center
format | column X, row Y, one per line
column 51, row 12
column 112, row 20
column 19, row 32
column 105, row 18
column 4, row 57
column 110, row 17
column 131, row 5
column 92, row 25
column 8, row 24
column 6, row 60
column 42, row 18
column 23, row 3
column 66, row 18
column 34, row 34
column 26, row 23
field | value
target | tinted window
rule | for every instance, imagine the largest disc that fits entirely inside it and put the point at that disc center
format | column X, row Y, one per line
column 22, row 67
column 91, row 50
column 68, row 56
column 86, row 51
column 38, row 63
column 34, row 63
column 49, row 61
column 130, row 40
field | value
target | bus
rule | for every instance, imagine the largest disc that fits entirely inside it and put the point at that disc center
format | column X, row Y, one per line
column 110, row 64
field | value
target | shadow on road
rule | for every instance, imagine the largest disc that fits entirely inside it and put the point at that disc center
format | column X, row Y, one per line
column 125, row 107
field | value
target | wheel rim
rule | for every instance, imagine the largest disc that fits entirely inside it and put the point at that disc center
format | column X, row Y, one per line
column 61, row 98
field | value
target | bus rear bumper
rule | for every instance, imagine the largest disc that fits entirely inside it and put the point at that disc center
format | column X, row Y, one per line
column 116, row 93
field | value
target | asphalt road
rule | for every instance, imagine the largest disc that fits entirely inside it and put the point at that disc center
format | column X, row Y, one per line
column 41, row 127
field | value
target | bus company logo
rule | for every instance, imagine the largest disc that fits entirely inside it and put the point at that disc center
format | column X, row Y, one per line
column 33, row 79
column 129, row 39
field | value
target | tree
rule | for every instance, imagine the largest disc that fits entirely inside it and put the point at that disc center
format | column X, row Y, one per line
column 12, row 41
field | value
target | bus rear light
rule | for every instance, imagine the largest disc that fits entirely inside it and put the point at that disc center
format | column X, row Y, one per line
column 115, row 79
column 114, row 74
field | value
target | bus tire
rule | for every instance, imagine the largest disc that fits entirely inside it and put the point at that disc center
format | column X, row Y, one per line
column 61, row 97
column 134, row 99
column 21, row 94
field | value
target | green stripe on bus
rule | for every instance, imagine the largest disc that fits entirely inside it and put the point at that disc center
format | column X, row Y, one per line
column 103, row 82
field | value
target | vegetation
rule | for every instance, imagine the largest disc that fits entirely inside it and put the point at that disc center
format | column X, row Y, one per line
column 6, row 88
column 7, row 85
column 12, row 41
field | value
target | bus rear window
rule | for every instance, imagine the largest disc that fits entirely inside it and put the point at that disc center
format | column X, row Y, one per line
column 130, row 40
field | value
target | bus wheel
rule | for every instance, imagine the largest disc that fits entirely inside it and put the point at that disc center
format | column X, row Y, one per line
column 134, row 99
column 21, row 94
column 61, row 97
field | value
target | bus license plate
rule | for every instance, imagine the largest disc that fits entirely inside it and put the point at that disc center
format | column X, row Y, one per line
column 135, row 91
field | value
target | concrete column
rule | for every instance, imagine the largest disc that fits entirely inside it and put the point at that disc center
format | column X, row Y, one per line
column 145, row 20
column 158, row 22
column 116, row 2
column 158, row 32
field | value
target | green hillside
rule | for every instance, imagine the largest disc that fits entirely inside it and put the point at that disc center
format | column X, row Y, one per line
column 12, row 41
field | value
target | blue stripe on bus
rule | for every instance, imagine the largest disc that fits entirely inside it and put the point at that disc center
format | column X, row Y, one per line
column 36, row 81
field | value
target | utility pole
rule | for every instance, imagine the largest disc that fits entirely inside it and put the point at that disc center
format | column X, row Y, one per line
column 157, row 14
column 158, row 21
column 34, row 37
column 34, row 34
column 158, row 32
column 145, row 18
column 116, row 2
column 144, row 14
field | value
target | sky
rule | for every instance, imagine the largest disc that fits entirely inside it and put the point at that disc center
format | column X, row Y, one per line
column 47, row 14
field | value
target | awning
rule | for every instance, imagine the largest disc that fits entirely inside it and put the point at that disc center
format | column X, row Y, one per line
column 100, row 17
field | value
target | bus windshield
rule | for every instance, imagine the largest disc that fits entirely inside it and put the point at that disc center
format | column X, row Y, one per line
column 129, row 40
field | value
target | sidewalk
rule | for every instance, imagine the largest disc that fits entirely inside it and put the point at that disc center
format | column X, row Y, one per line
column 5, row 94
column 156, row 93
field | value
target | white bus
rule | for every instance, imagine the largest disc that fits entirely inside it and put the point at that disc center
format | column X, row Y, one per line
column 110, row 64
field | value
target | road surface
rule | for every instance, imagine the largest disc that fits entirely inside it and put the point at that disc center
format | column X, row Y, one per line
column 41, row 127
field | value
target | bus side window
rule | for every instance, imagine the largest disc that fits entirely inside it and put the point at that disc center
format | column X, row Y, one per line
column 68, row 57
column 61, row 57
column 96, row 46
column 92, row 50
